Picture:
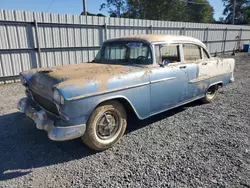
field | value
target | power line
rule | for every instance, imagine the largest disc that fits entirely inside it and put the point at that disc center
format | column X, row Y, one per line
column 50, row 5
column 190, row 2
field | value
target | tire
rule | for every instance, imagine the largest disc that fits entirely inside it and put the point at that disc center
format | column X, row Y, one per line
column 211, row 94
column 106, row 126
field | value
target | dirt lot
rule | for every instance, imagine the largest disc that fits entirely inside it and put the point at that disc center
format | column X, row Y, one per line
column 191, row 146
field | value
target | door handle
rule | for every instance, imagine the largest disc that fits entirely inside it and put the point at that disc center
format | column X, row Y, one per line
column 204, row 63
column 182, row 67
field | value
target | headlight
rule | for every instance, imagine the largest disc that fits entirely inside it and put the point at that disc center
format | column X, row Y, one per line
column 58, row 98
column 23, row 80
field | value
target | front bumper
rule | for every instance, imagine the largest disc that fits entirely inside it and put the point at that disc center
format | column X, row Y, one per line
column 44, row 123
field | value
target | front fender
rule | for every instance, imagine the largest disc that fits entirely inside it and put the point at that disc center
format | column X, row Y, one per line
column 138, row 98
column 119, row 97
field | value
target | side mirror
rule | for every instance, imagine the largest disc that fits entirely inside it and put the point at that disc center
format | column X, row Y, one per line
column 164, row 63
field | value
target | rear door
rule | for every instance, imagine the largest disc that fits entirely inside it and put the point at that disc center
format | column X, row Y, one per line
column 212, row 67
column 169, row 84
column 197, row 67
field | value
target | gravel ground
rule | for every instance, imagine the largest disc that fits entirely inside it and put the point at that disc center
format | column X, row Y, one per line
column 191, row 146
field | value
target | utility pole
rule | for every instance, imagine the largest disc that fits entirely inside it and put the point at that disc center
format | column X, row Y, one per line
column 234, row 7
column 84, row 7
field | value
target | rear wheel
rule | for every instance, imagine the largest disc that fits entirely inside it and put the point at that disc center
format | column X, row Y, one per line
column 106, row 126
column 211, row 94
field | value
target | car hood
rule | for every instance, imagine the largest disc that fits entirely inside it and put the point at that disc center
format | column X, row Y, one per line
column 85, row 79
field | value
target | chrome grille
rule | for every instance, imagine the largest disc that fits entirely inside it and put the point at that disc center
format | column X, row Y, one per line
column 45, row 103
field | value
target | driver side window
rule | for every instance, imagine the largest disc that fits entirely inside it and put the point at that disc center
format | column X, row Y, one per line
column 136, row 52
column 141, row 55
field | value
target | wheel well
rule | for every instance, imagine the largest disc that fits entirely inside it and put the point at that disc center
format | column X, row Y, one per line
column 218, row 84
column 127, row 106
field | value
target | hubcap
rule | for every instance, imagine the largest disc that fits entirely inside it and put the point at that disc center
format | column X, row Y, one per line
column 108, row 125
column 211, row 92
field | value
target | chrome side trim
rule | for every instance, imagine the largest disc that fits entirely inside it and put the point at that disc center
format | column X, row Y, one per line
column 199, row 79
column 162, row 80
column 108, row 91
column 207, row 77
column 118, row 89
column 215, row 83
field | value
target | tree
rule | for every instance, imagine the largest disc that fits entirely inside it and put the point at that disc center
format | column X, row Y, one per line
column 115, row 7
column 158, row 10
column 90, row 14
column 242, row 11
column 172, row 10
column 246, row 15
column 200, row 11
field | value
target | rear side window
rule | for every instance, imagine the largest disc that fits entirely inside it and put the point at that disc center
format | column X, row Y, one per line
column 205, row 54
column 191, row 52
column 168, row 53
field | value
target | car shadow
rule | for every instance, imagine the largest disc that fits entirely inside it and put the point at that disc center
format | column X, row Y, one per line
column 134, row 123
column 23, row 147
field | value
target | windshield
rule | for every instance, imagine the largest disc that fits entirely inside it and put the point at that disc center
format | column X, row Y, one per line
column 125, row 52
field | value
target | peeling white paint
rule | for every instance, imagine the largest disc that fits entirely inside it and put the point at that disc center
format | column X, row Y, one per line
column 215, row 66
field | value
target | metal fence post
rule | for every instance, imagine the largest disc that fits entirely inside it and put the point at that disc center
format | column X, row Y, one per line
column 151, row 29
column 106, row 31
column 39, row 63
column 87, row 36
column 204, row 35
column 184, row 31
column 240, row 35
column 225, row 41
column 207, row 32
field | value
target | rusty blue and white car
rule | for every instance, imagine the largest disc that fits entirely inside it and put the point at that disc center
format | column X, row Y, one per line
column 143, row 74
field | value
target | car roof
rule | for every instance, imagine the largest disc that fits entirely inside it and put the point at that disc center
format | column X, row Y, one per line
column 159, row 38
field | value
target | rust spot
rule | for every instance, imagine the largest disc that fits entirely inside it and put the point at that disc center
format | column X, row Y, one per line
column 146, row 73
column 81, row 74
column 201, row 85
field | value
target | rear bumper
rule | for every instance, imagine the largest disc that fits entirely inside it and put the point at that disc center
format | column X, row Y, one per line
column 231, row 80
column 44, row 123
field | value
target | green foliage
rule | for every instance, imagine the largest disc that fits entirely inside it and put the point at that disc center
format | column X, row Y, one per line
column 172, row 10
column 90, row 14
column 242, row 11
column 115, row 7
column 200, row 11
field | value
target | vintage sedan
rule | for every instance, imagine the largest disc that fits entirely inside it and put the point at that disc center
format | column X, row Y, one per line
column 143, row 74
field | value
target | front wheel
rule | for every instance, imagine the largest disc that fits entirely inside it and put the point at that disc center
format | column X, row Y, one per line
column 105, row 126
column 211, row 94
